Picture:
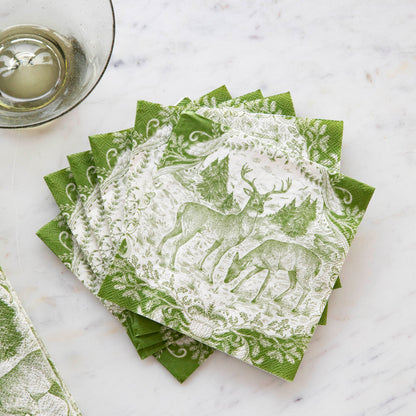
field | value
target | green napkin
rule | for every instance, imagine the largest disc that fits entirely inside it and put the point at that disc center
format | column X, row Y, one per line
column 61, row 181
column 29, row 382
column 193, row 278
column 92, row 197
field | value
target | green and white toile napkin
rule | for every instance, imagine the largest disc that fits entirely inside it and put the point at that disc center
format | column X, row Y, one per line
column 125, row 199
column 82, row 180
column 29, row 382
column 69, row 185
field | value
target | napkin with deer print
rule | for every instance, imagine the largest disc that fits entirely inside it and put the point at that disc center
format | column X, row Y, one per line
column 75, row 191
column 29, row 382
column 207, row 204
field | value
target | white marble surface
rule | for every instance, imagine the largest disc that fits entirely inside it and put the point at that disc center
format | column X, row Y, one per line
column 353, row 60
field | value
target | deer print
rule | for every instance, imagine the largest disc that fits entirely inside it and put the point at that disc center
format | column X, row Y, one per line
column 227, row 230
column 301, row 265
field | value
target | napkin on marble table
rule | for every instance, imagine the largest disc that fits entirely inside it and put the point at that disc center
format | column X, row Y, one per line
column 82, row 168
column 267, row 106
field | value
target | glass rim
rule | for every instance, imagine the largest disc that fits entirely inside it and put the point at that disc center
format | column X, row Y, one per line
column 54, row 117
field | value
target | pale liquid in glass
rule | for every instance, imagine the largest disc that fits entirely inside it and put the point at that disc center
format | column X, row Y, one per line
column 36, row 66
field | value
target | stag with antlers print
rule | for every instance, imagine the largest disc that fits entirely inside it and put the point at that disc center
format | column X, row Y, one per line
column 227, row 230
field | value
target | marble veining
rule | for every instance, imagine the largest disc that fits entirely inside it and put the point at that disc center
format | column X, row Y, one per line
column 350, row 60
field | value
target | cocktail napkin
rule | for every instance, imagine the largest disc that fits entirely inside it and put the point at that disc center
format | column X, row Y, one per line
column 62, row 182
column 166, row 118
column 130, row 213
column 86, row 181
column 214, row 272
column 29, row 382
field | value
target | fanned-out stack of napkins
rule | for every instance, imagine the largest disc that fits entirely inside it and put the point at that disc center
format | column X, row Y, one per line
column 29, row 382
column 218, row 224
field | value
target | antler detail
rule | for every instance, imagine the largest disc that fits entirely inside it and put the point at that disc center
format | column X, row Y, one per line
column 244, row 170
column 282, row 189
